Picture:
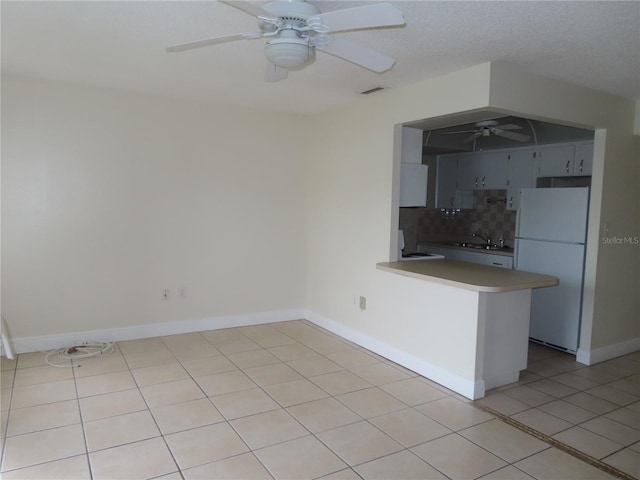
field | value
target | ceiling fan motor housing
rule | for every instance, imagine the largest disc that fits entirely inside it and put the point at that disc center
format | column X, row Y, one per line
column 290, row 50
column 299, row 9
column 292, row 13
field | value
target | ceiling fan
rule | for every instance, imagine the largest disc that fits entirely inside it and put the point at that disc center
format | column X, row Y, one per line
column 297, row 29
column 491, row 127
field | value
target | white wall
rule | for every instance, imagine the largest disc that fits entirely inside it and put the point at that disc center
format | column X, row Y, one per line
column 109, row 197
column 616, row 315
column 353, row 208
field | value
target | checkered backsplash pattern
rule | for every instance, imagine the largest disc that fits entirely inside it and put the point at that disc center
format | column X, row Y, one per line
column 489, row 216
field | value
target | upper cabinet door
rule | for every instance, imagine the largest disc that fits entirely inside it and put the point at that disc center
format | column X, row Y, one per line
column 494, row 169
column 556, row 161
column 521, row 163
column 411, row 145
column 483, row 170
column 583, row 163
column 413, row 185
column 447, row 182
column 413, row 175
column 469, row 172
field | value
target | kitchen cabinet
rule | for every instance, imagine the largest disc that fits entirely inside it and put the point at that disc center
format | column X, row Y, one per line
column 483, row 170
column 520, row 174
column 583, row 164
column 413, row 175
column 511, row 169
column 556, row 160
column 413, row 185
column 565, row 160
column 448, row 195
column 469, row 171
column 471, row 256
column 447, row 183
column 411, row 145
column 502, row 261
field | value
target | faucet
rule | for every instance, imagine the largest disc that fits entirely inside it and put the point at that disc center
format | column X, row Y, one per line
column 486, row 237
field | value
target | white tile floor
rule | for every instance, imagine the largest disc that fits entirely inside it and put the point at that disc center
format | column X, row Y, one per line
column 291, row 401
column 595, row 410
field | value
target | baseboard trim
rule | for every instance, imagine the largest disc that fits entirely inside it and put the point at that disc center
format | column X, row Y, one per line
column 51, row 342
column 597, row 355
column 468, row 388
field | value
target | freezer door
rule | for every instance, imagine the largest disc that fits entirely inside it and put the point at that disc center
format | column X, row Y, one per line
column 555, row 311
column 556, row 214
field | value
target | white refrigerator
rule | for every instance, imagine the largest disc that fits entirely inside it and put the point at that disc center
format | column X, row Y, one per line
column 551, row 231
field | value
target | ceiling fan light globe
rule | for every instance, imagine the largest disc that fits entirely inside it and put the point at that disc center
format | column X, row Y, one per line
column 290, row 53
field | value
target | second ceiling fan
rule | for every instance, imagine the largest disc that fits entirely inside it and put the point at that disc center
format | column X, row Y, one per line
column 491, row 127
column 297, row 29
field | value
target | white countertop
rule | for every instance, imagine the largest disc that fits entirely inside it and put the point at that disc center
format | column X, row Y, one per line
column 470, row 276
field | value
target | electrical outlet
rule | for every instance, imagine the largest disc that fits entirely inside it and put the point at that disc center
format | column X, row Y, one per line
column 165, row 294
column 363, row 303
column 182, row 292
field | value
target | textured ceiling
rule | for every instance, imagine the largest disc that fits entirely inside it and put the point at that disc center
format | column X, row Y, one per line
column 121, row 45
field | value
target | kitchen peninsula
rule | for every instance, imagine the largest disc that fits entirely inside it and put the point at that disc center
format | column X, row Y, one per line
column 500, row 317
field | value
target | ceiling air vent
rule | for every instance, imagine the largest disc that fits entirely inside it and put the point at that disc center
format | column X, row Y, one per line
column 372, row 90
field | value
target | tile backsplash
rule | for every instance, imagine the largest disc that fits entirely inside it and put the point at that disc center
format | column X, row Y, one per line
column 488, row 216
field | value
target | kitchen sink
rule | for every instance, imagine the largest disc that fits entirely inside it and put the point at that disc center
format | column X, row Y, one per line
column 475, row 245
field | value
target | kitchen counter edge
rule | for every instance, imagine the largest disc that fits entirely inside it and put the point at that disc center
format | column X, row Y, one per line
column 470, row 276
column 505, row 252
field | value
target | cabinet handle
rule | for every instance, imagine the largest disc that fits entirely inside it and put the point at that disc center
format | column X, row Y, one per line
column 581, row 164
column 511, row 201
column 483, row 181
column 476, row 182
column 568, row 161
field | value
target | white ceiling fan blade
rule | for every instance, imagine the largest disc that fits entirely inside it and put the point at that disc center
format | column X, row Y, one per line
column 511, row 135
column 248, row 7
column 212, row 41
column 472, row 137
column 459, row 131
column 363, row 56
column 274, row 73
column 369, row 16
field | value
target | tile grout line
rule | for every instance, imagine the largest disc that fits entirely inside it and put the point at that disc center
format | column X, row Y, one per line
column 561, row 446
column 82, row 423
column 162, row 435
column 6, row 427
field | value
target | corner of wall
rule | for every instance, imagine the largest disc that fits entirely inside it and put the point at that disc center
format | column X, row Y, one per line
column 592, row 356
